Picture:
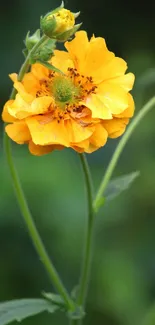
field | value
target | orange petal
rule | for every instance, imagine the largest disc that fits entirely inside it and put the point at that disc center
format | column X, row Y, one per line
column 18, row 132
column 77, row 49
column 28, row 98
column 78, row 149
column 126, row 81
column 81, row 146
column 6, row 117
column 115, row 127
column 46, row 133
column 89, row 148
column 31, row 83
column 77, row 132
column 113, row 97
column 130, row 110
column 42, row 150
column 39, row 71
column 97, row 107
column 99, row 136
column 62, row 60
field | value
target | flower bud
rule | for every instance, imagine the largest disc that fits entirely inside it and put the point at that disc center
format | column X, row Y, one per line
column 58, row 22
column 63, row 37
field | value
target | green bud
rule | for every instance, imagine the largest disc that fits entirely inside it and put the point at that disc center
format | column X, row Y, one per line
column 30, row 41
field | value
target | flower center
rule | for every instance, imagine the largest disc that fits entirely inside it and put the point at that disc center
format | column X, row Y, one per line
column 63, row 90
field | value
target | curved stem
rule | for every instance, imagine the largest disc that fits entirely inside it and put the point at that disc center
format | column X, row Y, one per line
column 89, row 235
column 146, row 108
column 25, row 66
column 36, row 239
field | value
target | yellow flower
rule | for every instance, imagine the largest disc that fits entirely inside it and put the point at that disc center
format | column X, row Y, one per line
column 80, row 108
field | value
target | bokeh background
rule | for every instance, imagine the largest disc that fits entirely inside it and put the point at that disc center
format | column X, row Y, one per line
column 122, row 285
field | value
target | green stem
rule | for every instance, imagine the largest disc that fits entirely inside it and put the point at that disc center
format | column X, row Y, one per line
column 25, row 66
column 83, row 286
column 146, row 108
column 75, row 321
column 36, row 239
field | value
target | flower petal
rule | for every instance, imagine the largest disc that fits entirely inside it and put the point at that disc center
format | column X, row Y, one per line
column 21, row 109
column 77, row 132
column 114, row 68
column 77, row 49
column 81, row 146
column 113, row 97
column 42, row 150
column 6, row 117
column 97, row 55
column 41, row 105
column 28, row 98
column 99, row 136
column 44, row 133
column 116, row 126
column 97, row 107
column 18, row 132
column 130, row 110
column 13, row 77
column 39, row 71
column 31, row 83
column 126, row 81
column 62, row 60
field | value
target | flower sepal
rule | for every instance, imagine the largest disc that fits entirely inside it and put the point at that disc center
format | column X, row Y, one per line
column 30, row 41
column 49, row 66
column 63, row 37
column 44, row 53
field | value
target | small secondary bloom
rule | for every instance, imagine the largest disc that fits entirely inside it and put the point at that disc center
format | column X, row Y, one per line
column 80, row 108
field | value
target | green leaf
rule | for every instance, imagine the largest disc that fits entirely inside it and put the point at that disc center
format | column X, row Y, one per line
column 55, row 299
column 120, row 184
column 23, row 308
column 49, row 66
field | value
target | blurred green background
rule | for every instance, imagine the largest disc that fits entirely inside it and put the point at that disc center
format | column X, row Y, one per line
column 122, row 285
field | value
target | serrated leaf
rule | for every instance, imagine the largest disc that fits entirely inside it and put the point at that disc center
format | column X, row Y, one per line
column 23, row 308
column 120, row 184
